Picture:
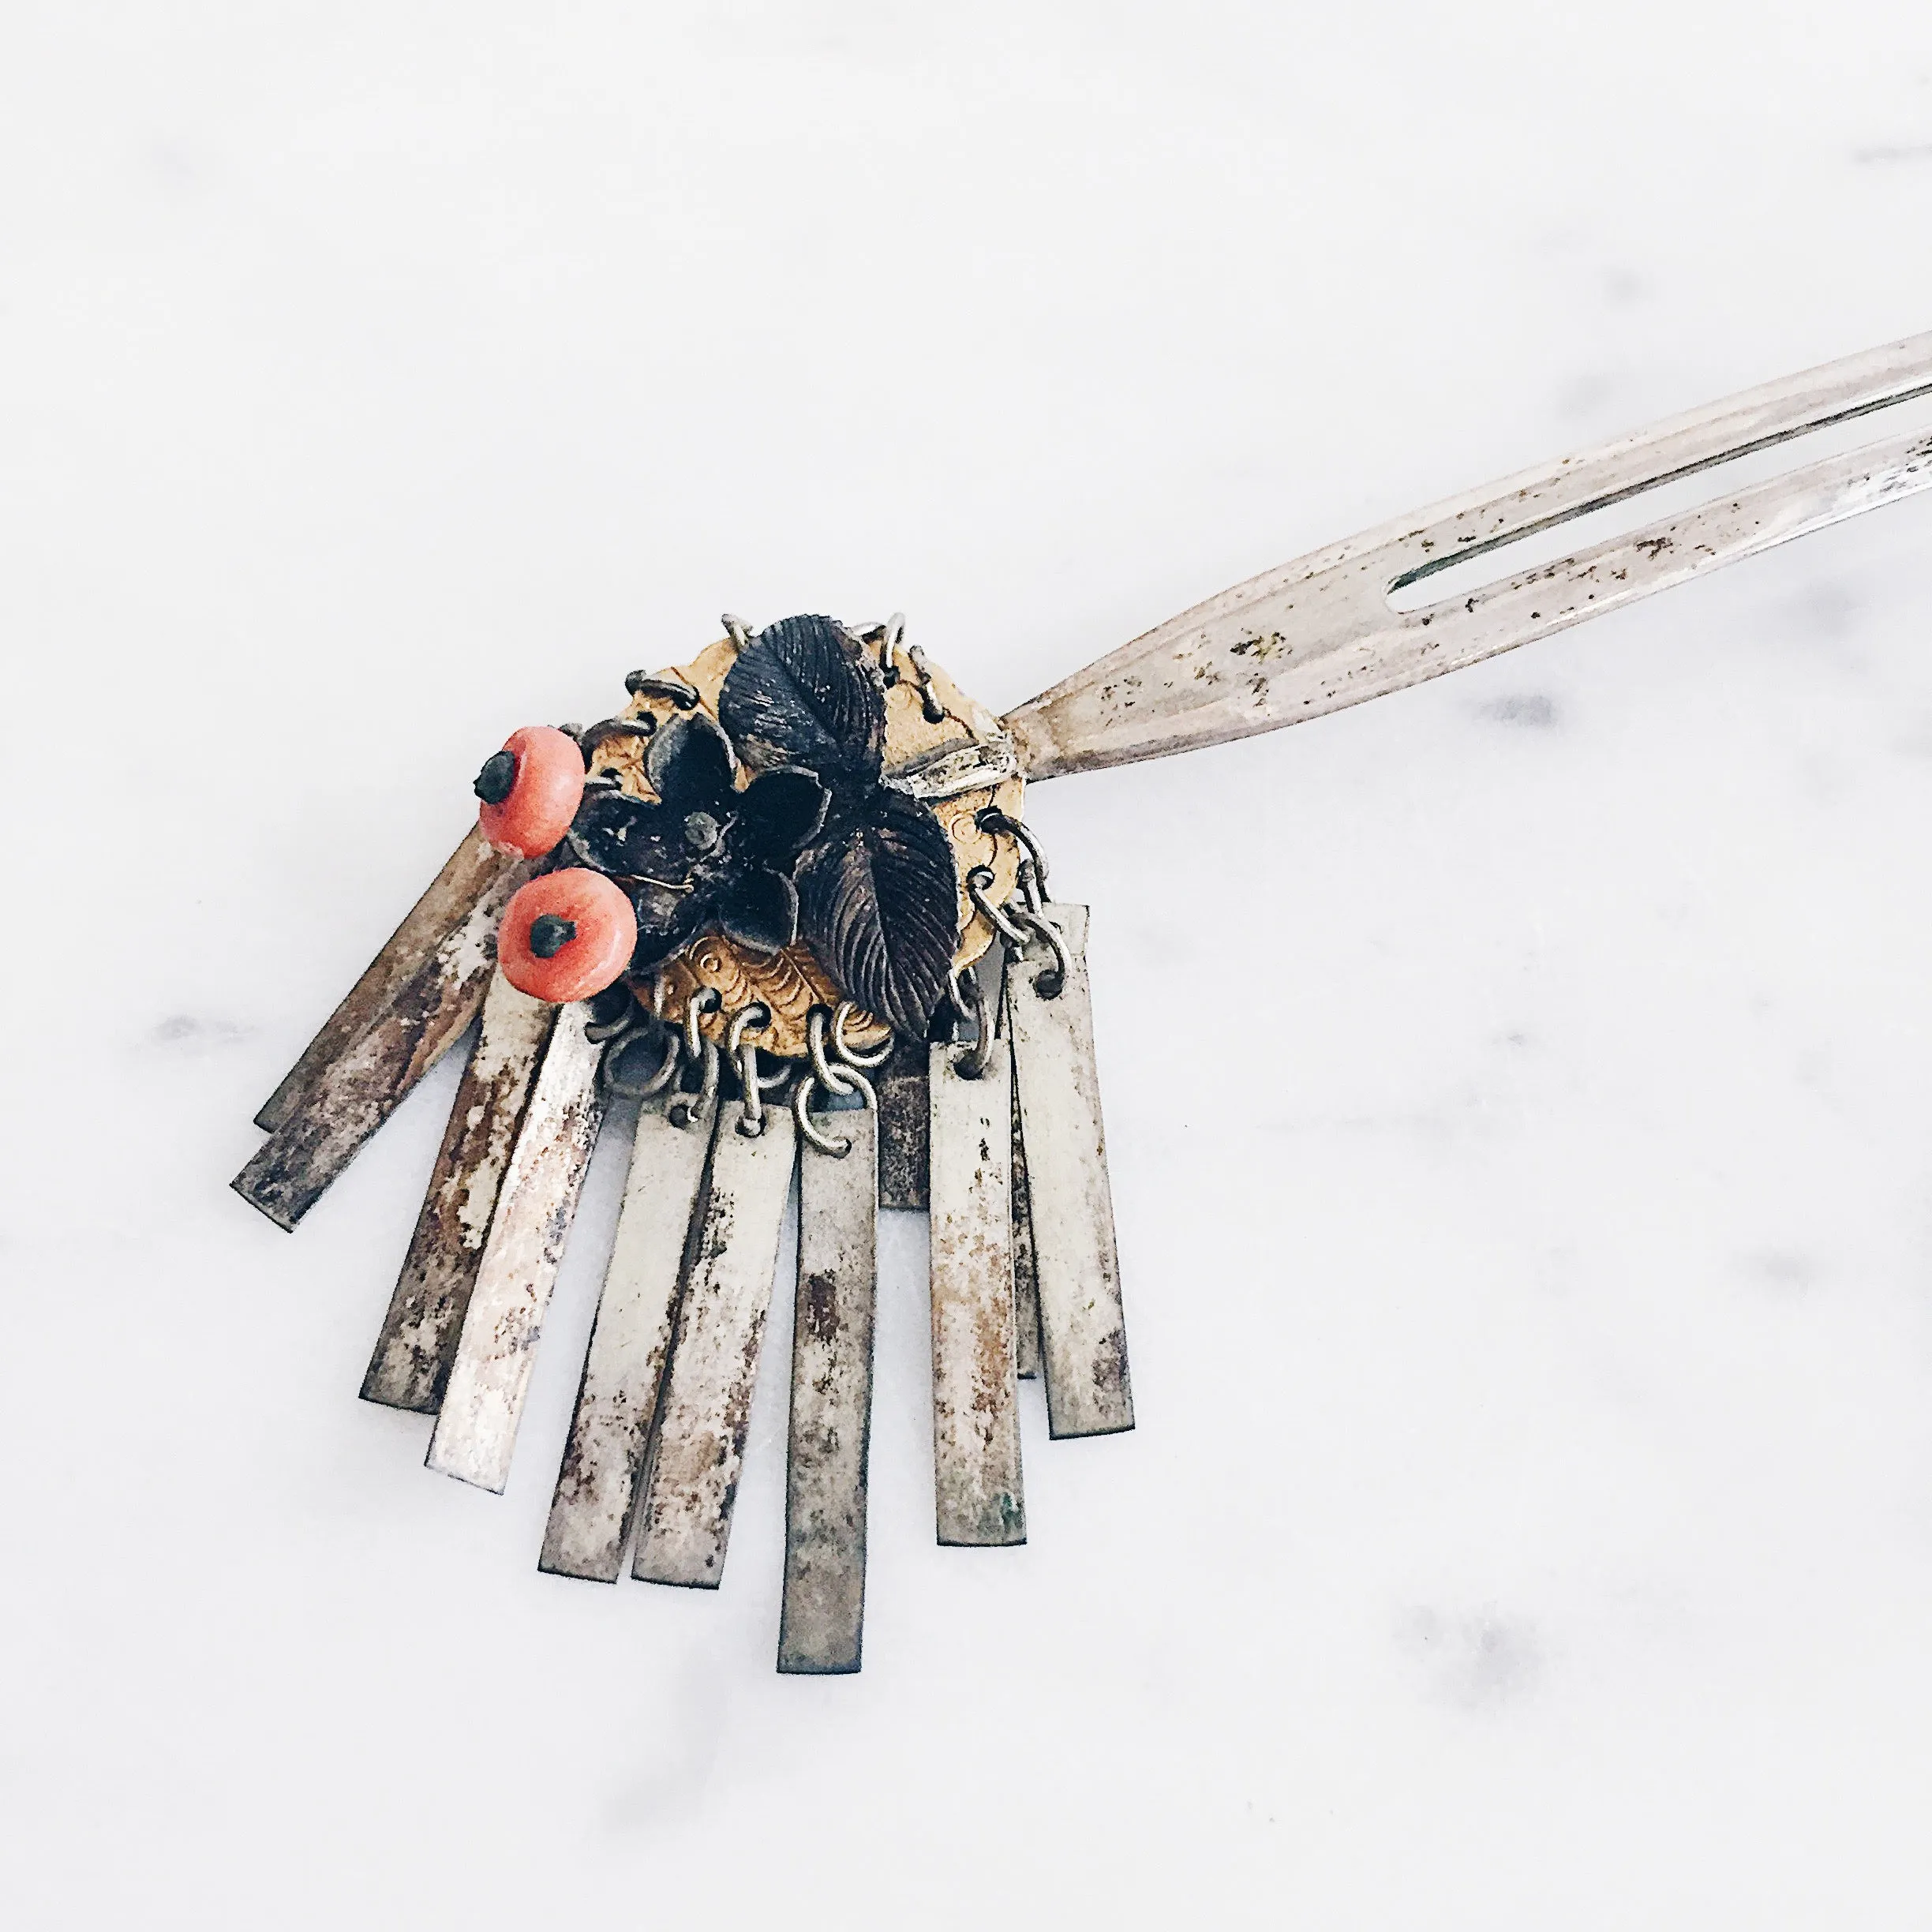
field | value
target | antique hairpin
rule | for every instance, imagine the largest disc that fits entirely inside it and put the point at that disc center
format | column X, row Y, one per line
column 787, row 901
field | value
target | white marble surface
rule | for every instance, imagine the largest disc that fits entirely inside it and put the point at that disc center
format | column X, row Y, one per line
column 1530, row 1524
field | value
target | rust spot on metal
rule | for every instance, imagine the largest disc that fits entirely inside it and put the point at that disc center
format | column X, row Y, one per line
column 821, row 1306
column 357, row 1092
column 904, row 1127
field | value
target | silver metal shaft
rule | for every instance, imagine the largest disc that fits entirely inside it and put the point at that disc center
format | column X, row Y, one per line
column 1320, row 633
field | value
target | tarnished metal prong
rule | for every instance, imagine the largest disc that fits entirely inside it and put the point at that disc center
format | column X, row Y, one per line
column 1320, row 633
column 683, row 1113
column 991, row 818
column 977, row 881
column 876, row 1056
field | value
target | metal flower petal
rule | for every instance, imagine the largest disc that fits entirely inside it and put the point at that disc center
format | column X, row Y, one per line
column 778, row 812
column 667, row 922
column 756, row 907
column 633, row 838
column 690, row 763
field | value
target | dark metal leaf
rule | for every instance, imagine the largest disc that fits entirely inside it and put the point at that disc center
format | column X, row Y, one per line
column 757, row 908
column 778, row 812
column 879, row 900
column 689, row 763
column 801, row 694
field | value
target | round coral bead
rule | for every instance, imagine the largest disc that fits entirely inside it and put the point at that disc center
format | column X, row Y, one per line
column 566, row 936
column 530, row 790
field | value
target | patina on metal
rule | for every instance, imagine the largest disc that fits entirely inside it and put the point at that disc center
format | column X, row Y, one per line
column 349, row 1096
column 980, row 1497
column 596, row 1487
column 905, row 1126
column 1076, row 1267
column 1319, row 634
column 685, row 1523
column 882, row 855
column 947, row 770
column 483, row 1398
column 470, row 871
column 829, row 1441
column 1025, row 1274
column 413, row 1352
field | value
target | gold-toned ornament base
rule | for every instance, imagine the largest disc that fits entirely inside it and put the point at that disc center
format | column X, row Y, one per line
column 790, row 984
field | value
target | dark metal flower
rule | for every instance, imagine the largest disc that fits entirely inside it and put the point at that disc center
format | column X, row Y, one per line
column 878, row 888
column 704, row 856
column 816, row 845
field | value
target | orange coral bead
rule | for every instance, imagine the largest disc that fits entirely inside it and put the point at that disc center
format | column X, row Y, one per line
column 529, row 803
column 566, row 936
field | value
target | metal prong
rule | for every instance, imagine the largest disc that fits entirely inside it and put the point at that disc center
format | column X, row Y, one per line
column 1319, row 634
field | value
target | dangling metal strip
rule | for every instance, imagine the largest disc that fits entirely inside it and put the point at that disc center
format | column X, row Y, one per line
column 470, row 872
column 686, row 1519
column 413, row 1352
column 981, row 1499
column 905, row 1126
column 476, row 1429
column 596, row 1487
column 1083, row 1331
column 822, row 1622
column 354, row 1092
column 1026, row 1276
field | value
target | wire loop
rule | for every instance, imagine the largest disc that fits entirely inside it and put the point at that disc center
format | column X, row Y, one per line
column 827, row 1075
column 977, row 881
column 837, row 1146
column 1051, row 982
column 974, row 1062
column 705, row 1000
column 991, row 818
column 753, row 1019
column 930, row 707
column 844, row 1048
column 681, row 1113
